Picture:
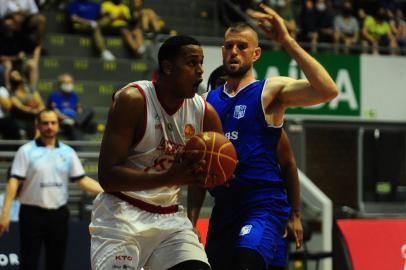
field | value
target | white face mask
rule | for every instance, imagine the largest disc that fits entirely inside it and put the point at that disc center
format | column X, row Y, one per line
column 321, row 6
column 67, row 87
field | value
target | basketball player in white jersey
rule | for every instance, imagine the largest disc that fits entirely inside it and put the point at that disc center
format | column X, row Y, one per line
column 137, row 222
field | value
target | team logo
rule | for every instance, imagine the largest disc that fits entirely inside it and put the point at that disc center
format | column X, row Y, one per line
column 189, row 131
column 239, row 111
column 169, row 127
column 245, row 230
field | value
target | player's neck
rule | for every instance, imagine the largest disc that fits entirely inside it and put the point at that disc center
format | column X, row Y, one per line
column 235, row 84
column 165, row 96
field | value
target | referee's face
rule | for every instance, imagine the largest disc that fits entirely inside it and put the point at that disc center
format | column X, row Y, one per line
column 48, row 125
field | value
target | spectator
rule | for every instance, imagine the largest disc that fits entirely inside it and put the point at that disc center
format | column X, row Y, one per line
column 284, row 7
column 309, row 24
column 398, row 26
column 84, row 16
column 74, row 118
column 26, row 15
column 116, row 17
column 146, row 18
column 26, row 104
column 377, row 33
column 8, row 127
column 325, row 18
column 18, row 52
column 43, row 167
column 346, row 29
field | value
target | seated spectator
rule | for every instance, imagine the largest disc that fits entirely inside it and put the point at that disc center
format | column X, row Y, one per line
column 8, row 127
column 26, row 15
column 26, row 104
column 146, row 18
column 116, row 17
column 84, row 16
column 346, row 29
column 398, row 26
column 74, row 118
column 18, row 52
column 377, row 33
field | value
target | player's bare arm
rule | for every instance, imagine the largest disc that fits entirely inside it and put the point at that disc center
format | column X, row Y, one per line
column 197, row 193
column 319, row 86
column 287, row 162
column 126, row 116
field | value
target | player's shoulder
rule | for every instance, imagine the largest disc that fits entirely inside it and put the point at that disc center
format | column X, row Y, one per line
column 134, row 91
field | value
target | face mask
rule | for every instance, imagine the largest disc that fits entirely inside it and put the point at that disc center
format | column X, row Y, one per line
column 67, row 87
column 321, row 6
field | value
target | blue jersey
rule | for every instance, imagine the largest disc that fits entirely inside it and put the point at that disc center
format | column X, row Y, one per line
column 252, row 210
column 244, row 124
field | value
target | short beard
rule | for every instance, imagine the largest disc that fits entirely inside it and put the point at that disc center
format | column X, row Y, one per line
column 237, row 73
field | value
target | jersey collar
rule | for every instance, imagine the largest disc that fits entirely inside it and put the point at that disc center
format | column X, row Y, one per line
column 39, row 143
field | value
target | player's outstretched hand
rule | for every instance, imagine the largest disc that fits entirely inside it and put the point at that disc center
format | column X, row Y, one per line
column 271, row 23
column 186, row 170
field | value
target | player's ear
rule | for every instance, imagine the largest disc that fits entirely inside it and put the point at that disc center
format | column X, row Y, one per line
column 257, row 53
column 166, row 67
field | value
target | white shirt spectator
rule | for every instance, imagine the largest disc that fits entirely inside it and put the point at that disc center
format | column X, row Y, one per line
column 11, row 6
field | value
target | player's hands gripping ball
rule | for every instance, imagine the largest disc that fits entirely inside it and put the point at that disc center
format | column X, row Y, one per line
column 219, row 154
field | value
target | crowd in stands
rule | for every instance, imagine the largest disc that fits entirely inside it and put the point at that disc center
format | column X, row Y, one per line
column 22, row 32
column 336, row 25
column 341, row 26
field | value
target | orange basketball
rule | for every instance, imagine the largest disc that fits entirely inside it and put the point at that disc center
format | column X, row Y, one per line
column 219, row 153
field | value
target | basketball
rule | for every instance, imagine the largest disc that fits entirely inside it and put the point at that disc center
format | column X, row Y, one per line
column 219, row 154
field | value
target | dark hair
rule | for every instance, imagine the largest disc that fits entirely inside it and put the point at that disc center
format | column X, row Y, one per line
column 38, row 116
column 171, row 48
column 214, row 76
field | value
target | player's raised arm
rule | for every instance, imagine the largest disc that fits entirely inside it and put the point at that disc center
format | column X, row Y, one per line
column 319, row 86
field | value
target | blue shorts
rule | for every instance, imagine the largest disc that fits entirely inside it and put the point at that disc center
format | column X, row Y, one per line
column 255, row 224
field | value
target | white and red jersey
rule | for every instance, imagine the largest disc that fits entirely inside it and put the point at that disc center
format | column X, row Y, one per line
column 165, row 133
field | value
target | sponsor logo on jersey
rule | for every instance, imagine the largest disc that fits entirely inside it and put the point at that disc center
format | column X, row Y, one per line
column 245, row 230
column 239, row 111
column 232, row 135
column 189, row 131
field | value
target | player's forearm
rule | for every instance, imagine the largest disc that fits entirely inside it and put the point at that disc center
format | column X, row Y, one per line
column 195, row 199
column 121, row 178
column 316, row 74
column 293, row 189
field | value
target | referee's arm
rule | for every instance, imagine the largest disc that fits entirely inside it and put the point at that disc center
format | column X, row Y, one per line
column 11, row 191
column 89, row 184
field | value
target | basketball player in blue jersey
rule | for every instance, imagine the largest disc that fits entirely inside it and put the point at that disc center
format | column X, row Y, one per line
column 287, row 164
column 251, row 212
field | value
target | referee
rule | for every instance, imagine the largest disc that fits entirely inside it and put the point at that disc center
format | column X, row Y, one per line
column 43, row 167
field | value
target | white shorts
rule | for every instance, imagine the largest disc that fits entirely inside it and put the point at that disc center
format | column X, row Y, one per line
column 126, row 237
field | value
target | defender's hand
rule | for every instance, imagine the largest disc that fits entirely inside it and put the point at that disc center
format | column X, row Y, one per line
column 271, row 23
